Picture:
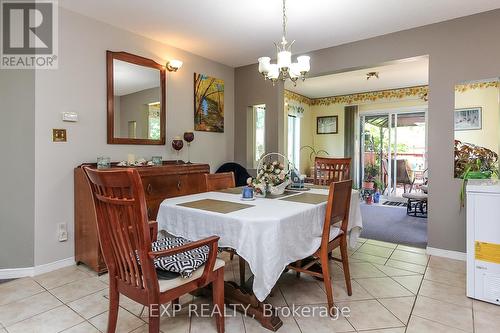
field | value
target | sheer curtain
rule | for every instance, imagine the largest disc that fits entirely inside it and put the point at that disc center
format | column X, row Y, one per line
column 350, row 139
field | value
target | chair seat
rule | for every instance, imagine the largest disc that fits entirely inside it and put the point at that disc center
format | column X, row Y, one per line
column 415, row 196
column 334, row 232
column 179, row 281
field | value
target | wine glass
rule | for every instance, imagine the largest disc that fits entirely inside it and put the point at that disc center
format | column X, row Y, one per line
column 177, row 144
column 189, row 137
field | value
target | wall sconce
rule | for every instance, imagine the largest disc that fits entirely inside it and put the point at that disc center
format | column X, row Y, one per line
column 174, row 65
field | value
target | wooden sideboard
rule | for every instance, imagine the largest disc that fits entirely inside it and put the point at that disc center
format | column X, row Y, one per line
column 159, row 182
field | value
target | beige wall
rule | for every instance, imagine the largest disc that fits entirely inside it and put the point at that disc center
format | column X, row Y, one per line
column 487, row 98
column 79, row 85
column 17, row 167
column 459, row 50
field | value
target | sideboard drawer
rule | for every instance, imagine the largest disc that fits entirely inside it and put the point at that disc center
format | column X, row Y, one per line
column 162, row 186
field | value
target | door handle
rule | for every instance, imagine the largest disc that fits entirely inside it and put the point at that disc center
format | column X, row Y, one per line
column 149, row 189
column 179, row 185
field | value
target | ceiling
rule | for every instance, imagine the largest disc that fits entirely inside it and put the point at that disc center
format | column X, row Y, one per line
column 237, row 32
column 403, row 73
column 130, row 78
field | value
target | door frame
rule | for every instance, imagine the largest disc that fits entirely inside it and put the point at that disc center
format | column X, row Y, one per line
column 389, row 112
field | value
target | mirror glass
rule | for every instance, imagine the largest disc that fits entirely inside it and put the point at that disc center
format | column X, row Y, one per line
column 477, row 128
column 136, row 92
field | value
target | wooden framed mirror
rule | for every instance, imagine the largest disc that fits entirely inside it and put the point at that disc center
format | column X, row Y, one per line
column 136, row 100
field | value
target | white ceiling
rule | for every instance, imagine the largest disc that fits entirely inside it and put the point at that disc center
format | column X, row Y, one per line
column 404, row 73
column 130, row 78
column 237, row 32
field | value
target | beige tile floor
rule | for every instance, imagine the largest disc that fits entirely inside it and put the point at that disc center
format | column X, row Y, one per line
column 396, row 289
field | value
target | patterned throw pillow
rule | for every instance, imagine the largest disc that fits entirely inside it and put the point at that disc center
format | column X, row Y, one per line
column 184, row 263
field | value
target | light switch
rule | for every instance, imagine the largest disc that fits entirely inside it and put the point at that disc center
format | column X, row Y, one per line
column 70, row 117
column 59, row 135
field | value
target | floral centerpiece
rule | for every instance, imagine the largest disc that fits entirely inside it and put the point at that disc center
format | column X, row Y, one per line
column 272, row 177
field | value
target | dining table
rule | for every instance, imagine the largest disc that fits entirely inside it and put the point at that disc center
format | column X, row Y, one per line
column 269, row 233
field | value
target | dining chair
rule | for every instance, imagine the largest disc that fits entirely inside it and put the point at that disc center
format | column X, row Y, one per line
column 328, row 170
column 219, row 181
column 334, row 235
column 126, row 236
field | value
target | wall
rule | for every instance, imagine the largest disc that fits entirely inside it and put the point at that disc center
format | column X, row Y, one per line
column 17, row 167
column 79, row 85
column 487, row 98
column 134, row 107
column 459, row 50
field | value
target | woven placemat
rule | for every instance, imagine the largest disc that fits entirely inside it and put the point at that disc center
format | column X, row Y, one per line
column 217, row 206
column 232, row 190
column 308, row 198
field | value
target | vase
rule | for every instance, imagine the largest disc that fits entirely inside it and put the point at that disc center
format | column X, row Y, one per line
column 278, row 189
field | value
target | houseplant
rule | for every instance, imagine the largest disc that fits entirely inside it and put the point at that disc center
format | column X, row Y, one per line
column 474, row 162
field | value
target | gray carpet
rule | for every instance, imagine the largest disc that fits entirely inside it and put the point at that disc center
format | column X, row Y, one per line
column 391, row 224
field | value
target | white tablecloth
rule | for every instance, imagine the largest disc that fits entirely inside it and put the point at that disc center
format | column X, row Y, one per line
column 269, row 236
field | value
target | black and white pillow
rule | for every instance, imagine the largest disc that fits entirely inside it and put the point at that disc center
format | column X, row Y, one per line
column 184, row 263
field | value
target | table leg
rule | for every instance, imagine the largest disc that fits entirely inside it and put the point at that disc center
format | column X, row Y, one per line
column 248, row 304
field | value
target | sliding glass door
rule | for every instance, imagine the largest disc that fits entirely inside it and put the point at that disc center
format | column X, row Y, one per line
column 393, row 150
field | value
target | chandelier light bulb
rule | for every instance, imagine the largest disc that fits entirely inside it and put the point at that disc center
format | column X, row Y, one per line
column 284, row 68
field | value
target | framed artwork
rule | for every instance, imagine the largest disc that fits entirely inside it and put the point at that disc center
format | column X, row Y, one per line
column 208, row 103
column 468, row 119
column 327, row 125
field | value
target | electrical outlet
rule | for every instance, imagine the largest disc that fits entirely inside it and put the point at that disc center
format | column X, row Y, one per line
column 62, row 232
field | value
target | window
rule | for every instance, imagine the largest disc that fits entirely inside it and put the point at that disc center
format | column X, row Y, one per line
column 256, row 134
column 294, row 140
column 260, row 131
column 154, row 121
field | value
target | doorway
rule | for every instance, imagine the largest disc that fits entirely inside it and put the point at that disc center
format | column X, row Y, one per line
column 393, row 150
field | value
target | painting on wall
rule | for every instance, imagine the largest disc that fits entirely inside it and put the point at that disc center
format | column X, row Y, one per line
column 208, row 103
column 327, row 125
column 468, row 119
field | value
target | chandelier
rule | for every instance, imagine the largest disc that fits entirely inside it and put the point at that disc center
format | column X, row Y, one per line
column 285, row 68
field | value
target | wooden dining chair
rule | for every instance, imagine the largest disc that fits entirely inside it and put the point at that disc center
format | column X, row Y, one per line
column 126, row 235
column 219, row 181
column 328, row 170
column 334, row 235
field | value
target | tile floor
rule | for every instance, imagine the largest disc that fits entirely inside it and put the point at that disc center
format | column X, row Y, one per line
column 396, row 289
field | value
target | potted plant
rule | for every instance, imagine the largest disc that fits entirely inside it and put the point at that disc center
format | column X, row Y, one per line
column 371, row 172
column 474, row 162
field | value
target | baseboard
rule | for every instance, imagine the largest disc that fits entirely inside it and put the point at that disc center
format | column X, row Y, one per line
column 446, row 253
column 13, row 273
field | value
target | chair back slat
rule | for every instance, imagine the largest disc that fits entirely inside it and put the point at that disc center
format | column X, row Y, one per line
column 122, row 225
column 219, row 181
column 328, row 170
column 338, row 206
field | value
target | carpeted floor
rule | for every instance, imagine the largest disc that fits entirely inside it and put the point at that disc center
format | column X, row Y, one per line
column 391, row 224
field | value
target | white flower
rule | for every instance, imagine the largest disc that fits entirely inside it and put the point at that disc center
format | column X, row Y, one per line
column 249, row 180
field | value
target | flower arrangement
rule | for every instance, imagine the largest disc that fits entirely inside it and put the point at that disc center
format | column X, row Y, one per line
column 272, row 177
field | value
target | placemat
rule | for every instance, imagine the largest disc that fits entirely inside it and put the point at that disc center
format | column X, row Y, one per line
column 217, row 206
column 277, row 196
column 318, row 187
column 232, row 190
column 309, row 198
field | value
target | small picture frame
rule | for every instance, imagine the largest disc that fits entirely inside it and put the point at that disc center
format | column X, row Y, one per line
column 468, row 119
column 327, row 125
